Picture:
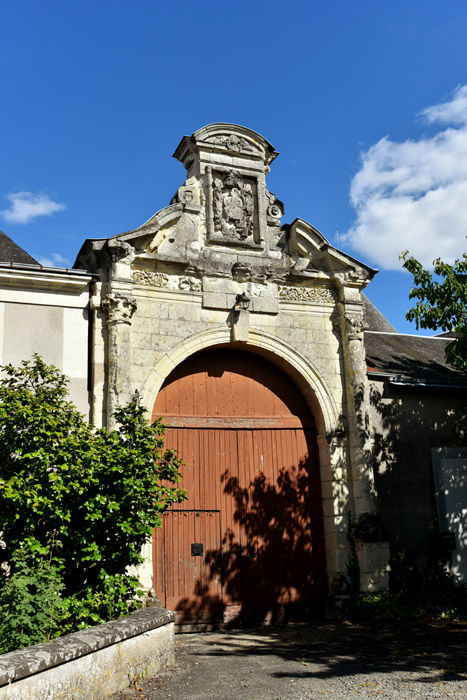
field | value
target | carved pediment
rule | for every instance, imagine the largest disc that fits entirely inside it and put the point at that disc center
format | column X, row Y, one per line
column 224, row 221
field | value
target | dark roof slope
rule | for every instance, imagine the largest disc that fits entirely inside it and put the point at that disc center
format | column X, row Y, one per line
column 412, row 358
column 407, row 358
column 373, row 320
column 10, row 252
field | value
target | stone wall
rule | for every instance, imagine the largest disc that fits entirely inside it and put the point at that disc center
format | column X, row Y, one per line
column 94, row 663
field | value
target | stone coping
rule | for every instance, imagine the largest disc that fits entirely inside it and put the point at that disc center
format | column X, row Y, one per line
column 26, row 662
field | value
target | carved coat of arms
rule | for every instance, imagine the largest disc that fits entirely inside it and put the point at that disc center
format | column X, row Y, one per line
column 233, row 203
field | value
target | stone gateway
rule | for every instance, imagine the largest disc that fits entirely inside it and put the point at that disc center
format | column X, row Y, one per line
column 247, row 336
column 280, row 383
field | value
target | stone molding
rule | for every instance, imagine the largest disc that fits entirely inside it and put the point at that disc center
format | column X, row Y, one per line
column 307, row 374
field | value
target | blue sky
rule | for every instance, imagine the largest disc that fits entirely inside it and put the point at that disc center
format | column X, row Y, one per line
column 365, row 101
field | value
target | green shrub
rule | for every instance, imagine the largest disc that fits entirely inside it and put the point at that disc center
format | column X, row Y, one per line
column 436, row 594
column 83, row 498
column 113, row 597
column 32, row 608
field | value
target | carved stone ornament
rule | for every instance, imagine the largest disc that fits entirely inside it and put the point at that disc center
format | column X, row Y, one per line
column 275, row 209
column 233, row 205
column 188, row 193
column 119, row 308
column 313, row 294
column 189, row 284
column 354, row 327
column 150, row 279
column 232, row 142
column 120, row 251
column 241, row 272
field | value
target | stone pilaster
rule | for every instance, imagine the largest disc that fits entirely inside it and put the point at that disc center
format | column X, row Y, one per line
column 119, row 308
column 356, row 402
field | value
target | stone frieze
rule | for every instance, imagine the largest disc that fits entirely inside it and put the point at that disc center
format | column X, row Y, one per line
column 318, row 295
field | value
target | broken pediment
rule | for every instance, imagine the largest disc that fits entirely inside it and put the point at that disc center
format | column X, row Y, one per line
column 223, row 218
column 311, row 253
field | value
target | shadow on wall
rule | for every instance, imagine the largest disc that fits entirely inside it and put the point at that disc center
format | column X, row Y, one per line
column 271, row 566
column 409, row 424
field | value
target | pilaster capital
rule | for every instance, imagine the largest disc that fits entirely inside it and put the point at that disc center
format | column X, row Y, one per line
column 119, row 308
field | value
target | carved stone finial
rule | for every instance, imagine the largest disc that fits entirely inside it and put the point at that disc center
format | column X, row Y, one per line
column 119, row 308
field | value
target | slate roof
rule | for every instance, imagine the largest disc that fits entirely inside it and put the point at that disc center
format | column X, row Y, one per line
column 373, row 319
column 11, row 252
column 409, row 359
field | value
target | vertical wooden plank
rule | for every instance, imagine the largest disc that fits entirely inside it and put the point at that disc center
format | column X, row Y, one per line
column 185, row 395
column 200, row 404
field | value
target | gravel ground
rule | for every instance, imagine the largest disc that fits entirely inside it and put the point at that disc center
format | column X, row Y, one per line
column 315, row 661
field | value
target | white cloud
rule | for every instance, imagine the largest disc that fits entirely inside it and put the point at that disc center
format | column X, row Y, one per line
column 55, row 260
column 413, row 195
column 26, row 206
column 454, row 111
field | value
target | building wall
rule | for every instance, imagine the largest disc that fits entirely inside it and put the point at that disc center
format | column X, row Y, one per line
column 47, row 313
column 408, row 423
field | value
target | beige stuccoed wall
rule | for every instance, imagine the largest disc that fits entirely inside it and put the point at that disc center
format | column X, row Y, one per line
column 47, row 313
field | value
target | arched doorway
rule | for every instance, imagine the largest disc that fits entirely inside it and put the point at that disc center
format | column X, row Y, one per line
column 249, row 541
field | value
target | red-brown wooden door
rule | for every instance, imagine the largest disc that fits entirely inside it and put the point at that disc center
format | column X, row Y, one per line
column 248, row 441
column 188, row 551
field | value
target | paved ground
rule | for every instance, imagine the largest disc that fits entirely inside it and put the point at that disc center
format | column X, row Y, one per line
column 316, row 661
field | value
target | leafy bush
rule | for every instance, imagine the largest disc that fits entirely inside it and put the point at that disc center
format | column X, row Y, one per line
column 113, row 597
column 86, row 498
column 436, row 594
column 32, row 609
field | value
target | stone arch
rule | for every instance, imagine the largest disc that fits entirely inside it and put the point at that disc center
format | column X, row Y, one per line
column 300, row 369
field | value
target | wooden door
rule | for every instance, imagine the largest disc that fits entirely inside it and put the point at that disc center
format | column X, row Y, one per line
column 248, row 441
column 189, row 550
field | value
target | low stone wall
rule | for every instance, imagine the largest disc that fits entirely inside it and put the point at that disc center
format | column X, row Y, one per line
column 94, row 663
